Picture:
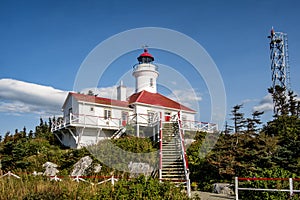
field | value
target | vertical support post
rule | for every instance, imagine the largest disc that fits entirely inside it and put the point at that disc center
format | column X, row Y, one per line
column 137, row 126
column 291, row 186
column 112, row 180
column 137, row 130
column 188, row 185
column 236, row 185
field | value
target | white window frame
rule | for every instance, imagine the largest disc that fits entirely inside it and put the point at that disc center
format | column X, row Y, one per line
column 107, row 113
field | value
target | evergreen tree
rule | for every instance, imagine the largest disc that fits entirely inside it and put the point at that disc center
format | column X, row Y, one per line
column 252, row 123
column 238, row 118
column 280, row 101
column 7, row 137
column 298, row 109
column 292, row 103
column 227, row 129
column 30, row 135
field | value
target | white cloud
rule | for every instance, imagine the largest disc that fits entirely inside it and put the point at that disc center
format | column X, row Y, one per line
column 23, row 97
column 266, row 104
column 245, row 101
column 187, row 98
column 107, row 92
column 17, row 97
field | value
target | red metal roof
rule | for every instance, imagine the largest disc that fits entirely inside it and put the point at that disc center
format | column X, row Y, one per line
column 146, row 54
column 157, row 100
column 98, row 100
column 144, row 97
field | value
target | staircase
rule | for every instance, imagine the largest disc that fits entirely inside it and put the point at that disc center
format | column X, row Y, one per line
column 172, row 163
column 118, row 133
column 173, row 166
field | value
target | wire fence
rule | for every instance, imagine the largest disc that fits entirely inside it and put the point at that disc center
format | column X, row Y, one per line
column 291, row 188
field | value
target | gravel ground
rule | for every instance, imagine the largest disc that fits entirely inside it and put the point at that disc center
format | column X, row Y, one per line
column 211, row 196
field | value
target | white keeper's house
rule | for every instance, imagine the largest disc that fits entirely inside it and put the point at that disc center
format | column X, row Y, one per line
column 88, row 118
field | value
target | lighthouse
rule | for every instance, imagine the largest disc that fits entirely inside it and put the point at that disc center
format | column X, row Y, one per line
column 145, row 73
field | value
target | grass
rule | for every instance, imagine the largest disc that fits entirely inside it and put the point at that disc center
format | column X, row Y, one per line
column 38, row 187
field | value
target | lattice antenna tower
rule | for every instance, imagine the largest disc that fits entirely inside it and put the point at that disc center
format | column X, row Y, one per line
column 279, row 60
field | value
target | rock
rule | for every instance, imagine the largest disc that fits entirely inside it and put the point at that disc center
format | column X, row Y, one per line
column 223, row 188
column 137, row 169
column 50, row 169
column 97, row 168
column 81, row 166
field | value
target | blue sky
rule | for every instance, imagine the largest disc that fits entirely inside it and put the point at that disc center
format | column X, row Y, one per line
column 43, row 43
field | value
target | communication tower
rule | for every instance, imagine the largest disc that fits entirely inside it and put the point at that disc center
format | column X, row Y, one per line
column 280, row 69
column 279, row 60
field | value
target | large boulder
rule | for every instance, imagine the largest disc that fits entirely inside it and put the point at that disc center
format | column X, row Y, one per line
column 50, row 169
column 138, row 168
column 81, row 166
column 223, row 188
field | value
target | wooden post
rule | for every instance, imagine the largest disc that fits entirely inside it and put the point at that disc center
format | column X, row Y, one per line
column 236, row 181
column 291, row 187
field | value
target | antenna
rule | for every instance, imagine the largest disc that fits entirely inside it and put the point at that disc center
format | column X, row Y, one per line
column 279, row 59
column 145, row 47
column 279, row 62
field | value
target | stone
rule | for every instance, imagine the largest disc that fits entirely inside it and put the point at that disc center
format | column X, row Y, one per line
column 97, row 168
column 81, row 166
column 223, row 188
column 138, row 168
column 50, row 169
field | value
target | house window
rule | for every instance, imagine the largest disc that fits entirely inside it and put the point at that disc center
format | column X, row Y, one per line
column 107, row 114
column 151, row 82
column 150, row 117
column 124, row 118
column 91, row 108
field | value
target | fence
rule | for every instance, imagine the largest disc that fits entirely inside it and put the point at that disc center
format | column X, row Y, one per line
column 111, row 179
column 291, row 189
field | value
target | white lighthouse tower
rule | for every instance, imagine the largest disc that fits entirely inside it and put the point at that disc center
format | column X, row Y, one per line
column 145, row 73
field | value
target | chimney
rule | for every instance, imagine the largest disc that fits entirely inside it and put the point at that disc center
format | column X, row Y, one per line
column 121, row 92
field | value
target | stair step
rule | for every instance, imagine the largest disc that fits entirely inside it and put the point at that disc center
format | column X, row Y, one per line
column 175, row 180
column 167, row 151
column 172, row 173
column 171, row 164
column 176, row 159
column 169, row 155
column 169, row 168
column 173, row 177
column 173, row 168
column 178, row 153
column 173, row 160
column 170, row 146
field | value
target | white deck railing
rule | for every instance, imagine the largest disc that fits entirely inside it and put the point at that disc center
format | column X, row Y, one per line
column 86, row 121
column 136, row 119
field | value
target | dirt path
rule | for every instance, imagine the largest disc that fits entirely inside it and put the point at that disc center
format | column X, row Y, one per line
column 211, row 196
